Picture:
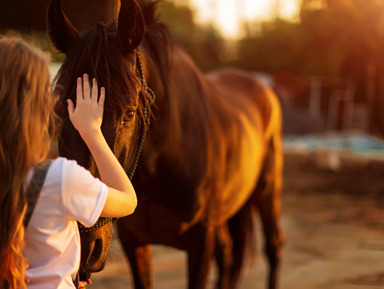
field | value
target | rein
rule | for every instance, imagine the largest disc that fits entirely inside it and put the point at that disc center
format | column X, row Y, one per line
column 147, row 120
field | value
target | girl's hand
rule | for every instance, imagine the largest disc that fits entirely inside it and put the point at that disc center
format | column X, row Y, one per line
column 88, row 114
column 82, row 284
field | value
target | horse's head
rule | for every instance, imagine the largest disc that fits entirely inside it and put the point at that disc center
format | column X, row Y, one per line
column 109, row 53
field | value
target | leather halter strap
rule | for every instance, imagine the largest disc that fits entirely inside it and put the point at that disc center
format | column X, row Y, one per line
column 147, row 119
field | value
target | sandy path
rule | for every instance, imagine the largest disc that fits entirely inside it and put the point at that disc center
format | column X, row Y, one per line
column 334, row 227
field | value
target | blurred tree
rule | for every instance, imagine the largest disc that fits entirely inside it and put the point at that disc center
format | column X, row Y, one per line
column 204, row 43
column 353, row 34
column 268, row 47
column 335, row 39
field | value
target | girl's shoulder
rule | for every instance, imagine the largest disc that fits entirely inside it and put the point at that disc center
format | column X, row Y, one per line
column 58, row 166
column 65, row 166
column 63, row 170
column 82, row 194
column 62, row 161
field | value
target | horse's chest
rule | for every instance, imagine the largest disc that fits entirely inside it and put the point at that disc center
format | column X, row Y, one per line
column 157, row 223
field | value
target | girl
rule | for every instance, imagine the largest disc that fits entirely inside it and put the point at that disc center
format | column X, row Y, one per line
column 47, row 253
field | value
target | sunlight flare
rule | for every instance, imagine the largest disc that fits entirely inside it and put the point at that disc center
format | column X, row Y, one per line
column 228, row 15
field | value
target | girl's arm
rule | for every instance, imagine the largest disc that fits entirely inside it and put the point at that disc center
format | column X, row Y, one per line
column 87, row 118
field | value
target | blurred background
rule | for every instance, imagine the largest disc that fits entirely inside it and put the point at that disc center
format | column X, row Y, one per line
column 322, row 57
column 325, row 61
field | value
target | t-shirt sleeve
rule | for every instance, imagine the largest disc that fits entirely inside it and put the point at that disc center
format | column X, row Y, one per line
column 83, row 195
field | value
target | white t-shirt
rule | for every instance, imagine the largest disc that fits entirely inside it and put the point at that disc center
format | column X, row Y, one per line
column 52, row 240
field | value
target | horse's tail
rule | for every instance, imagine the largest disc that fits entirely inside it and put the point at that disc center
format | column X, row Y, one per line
column 241, row 228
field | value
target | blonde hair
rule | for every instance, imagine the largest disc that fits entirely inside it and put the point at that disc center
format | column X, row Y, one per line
column 26, row 109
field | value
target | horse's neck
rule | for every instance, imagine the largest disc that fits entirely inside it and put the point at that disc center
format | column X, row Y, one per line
column 182, row 110
column 184, row 93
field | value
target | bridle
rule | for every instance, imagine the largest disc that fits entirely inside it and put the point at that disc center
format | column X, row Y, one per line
column 147, row 120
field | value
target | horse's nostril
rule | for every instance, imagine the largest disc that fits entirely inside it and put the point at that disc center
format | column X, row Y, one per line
column 96, row 251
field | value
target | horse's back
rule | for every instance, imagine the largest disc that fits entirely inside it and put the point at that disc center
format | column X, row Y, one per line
column 243, row 90
column 248, row 114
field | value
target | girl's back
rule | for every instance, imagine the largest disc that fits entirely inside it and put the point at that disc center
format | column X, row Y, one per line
column 52, row 241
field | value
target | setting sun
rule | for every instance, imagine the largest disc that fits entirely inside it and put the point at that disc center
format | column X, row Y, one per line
column 228, row 15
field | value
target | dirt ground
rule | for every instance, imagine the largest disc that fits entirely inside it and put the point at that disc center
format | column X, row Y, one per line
column 334, row 226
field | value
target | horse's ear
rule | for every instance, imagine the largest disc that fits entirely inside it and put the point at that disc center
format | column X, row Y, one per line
column 61, row 32
column 131, row 25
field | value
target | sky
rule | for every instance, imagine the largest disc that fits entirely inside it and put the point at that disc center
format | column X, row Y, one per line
column 225, row 14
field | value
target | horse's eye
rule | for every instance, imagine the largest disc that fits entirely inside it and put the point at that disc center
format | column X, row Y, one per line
column 128, row 117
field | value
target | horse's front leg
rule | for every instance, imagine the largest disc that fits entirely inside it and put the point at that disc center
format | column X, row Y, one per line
column 139, row 257
column 200, row 242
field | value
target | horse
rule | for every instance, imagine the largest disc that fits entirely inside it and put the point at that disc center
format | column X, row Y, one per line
column 211, row 160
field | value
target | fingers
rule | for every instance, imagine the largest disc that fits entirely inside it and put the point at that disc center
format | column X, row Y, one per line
column 83, row 284
column 86, row 86
column 84, row 91
column 79, row 89
column 95, row 89
column 102, row 97
column 71, row 107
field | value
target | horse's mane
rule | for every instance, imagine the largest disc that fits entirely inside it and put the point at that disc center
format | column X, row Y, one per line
column 183, row 112
column 157, row 39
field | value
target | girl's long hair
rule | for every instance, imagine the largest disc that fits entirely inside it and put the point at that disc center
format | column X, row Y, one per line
column 26, row 109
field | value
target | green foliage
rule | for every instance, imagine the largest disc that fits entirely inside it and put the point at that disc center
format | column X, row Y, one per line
column 204, row 43
column 339, row 41
column 39, row 39
column 343, row 40
column 268, row 47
